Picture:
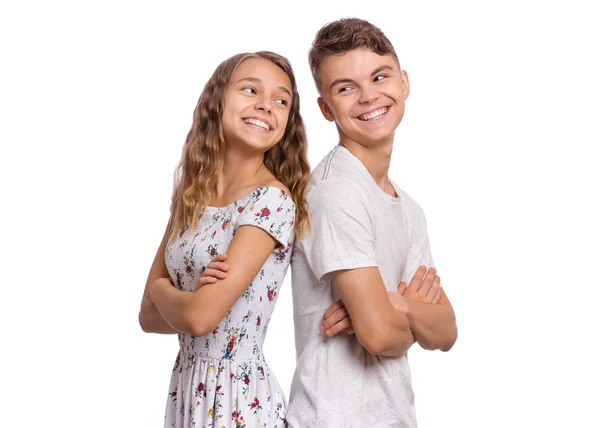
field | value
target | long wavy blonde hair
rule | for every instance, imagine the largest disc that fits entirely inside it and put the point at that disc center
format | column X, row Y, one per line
column 202, row 158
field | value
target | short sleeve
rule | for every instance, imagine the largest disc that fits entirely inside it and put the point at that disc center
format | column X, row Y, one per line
column 341, row 235
column 272, row 210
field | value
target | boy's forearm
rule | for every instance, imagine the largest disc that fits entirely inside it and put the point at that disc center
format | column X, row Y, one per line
column 400, row 337
column 433, row 326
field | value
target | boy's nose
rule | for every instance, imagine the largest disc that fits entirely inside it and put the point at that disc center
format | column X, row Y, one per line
column 368, row 95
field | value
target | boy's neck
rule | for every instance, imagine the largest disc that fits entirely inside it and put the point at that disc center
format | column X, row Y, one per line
column 376, row 159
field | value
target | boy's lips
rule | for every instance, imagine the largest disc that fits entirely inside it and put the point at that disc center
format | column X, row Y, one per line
column 373, row 114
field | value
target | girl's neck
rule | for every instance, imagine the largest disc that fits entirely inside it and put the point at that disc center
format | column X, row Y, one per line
column 240, row 175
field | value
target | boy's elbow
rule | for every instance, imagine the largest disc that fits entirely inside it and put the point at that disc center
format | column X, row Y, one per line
column 450, row 341
column 374, row 344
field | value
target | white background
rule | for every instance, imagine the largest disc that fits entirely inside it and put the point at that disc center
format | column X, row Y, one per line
column 498, row 145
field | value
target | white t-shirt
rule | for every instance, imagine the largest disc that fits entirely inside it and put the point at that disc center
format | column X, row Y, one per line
column 337, row 382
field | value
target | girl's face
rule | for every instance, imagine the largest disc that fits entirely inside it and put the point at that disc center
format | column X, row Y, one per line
column 256, row 106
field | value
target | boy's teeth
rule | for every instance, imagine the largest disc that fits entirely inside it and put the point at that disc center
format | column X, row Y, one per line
column 374, row 114
column 257, row 123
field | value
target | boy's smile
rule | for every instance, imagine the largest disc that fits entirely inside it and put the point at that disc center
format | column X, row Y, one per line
column 364, row 93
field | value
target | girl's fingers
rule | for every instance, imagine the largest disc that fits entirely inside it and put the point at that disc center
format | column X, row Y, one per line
column 218, row 265
column 214, row 273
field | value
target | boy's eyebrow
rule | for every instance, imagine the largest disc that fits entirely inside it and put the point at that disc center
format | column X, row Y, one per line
column 348, row 80
column 380, row 69
column 257, row 80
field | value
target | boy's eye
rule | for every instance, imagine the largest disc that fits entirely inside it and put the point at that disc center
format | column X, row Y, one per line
column 379, row 77
column 282, row 101
column 249, row 90
column 345, row 89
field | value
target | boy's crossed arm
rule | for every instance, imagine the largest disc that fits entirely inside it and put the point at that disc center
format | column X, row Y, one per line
column 424, row 304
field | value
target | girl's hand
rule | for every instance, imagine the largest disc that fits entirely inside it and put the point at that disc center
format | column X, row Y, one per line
column 215, row 270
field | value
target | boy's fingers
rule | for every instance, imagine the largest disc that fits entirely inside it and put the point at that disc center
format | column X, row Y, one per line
column 437, row 297
column 349, row 330
column 336, row 328
column 402, row 287
column 417, row 279
column 333, row 319
column 433, row 291
column 334, row 307
column 427, row 282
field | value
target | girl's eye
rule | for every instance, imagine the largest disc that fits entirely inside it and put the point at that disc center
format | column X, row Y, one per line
column 282, row 102
column 249, row 90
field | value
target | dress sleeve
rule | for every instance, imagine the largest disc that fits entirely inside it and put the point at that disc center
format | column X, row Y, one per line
column 272, row 210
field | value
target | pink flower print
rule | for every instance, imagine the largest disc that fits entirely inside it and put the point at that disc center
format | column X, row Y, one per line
column 263, row 213
column 246, row 379
column 238, row 418
column 271, row 293
column 174, row 394
column 240, row 209
column 258, row 321
column 224, row 225
column 255, row 405
column 218, row 388
column 201, row 391
column 214, row 234
column 212, row 250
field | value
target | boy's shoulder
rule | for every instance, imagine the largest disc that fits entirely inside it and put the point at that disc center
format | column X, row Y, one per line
column 336, row 175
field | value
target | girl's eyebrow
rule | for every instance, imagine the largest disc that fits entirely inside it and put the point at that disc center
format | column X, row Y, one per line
column 257, row 80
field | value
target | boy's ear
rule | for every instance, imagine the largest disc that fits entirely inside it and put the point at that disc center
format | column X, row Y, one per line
column 327, row 113
column 405, row 84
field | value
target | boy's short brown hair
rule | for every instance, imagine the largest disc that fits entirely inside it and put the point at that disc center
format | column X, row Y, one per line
column 339, row 37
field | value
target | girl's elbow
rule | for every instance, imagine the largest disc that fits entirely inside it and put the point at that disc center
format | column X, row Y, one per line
column 200, row 325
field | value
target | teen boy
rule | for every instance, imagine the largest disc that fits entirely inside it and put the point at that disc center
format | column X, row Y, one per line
column 367, row 238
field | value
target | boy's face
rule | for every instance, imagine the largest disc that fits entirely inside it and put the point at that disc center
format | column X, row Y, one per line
column 364, row 93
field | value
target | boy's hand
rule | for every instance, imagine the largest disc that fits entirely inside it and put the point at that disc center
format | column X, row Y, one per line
column 216, row 269
column 424, row 287
column 336, row 319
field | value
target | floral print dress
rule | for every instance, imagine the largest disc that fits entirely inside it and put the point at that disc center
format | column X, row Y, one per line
column 221, row 379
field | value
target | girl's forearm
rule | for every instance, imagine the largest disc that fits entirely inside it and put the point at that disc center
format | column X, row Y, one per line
column 171, row 304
